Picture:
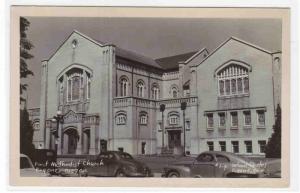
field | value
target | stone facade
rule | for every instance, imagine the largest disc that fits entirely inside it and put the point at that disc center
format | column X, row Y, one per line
column 110, row 99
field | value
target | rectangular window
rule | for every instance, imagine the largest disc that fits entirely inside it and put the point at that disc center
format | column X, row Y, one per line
column 173, row 120
column 210, row 120
column 262, row 146
column 261, row 118
column 210, row 145
column 143, row 119
column 247, row 118
column 234, row 119
column 222, row 145
column 248, row 145
column 235, row 146
column 222, row 120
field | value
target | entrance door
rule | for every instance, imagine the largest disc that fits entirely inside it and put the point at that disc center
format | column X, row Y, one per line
column 72, row 140
column 174, row 138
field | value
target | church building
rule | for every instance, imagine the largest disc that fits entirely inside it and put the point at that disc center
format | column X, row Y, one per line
column 97, row 96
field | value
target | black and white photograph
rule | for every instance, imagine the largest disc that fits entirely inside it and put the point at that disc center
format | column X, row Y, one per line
column 150, row 97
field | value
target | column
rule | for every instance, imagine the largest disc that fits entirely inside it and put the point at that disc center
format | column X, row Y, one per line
column 92, row 149
column 66, row 143
column 47, row 135
column 79, row 142
column 59, row 142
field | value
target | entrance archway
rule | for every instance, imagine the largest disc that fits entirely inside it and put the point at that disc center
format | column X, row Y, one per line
column 71, row 138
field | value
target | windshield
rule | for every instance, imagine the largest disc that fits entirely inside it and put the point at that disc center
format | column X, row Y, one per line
column 125, row 156
column 24, row 163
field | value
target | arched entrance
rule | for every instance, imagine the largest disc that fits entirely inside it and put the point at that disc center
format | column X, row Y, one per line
column 71, row 138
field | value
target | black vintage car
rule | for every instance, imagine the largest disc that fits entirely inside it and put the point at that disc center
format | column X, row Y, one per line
column 115, row 164
column 45, row 160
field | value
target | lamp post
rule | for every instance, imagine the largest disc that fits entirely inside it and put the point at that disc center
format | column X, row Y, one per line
column 162, row 109
column 183, row 107
column 58, row 119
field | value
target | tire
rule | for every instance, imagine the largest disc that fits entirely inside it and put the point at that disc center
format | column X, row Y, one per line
column 120, row 174
column 173, row 174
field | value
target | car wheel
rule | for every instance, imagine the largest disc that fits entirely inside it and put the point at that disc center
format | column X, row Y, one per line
column 120, row 173
column 173, row 174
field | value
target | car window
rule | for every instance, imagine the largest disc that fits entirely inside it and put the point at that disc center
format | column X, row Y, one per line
column 221, row 158
column 24, row 163
column 126, row 156
column 205, row 158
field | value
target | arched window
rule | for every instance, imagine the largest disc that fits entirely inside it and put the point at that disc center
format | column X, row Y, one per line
column 173, row 118
column 174, row 91
column 75, row 83
column 233, row 80
column 143, row 118
column 155, row 92
column 121, row 118
column 140, row 88
column 36, row 125
column 124, row 86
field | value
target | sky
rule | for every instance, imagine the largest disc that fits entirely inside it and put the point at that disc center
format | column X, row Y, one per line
column 152, row 37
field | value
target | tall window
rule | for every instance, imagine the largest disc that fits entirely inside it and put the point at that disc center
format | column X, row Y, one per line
column 262, row 146
column 261, row 118
column 233, row 80
column 174, row 92
column 36, row 125
column 140, row 89
column 155, row 92
column 75, row 82
column 210, row 120
column 124, row 86
column 248, row 145
column 222, row 120
column 235, row 146
column 234, row 119
column 210, row 145
column 143, row 118
column 247, row 118
column 222, row 145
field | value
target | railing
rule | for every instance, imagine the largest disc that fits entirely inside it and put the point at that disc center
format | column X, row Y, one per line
column 174, row 102
column 89, row 120
column 170, row 75
column 77, row 107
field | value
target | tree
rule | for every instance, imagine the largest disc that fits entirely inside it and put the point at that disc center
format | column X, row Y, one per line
column 26, row 129
column 26, row 134
column 273, row 148
column 25, row 46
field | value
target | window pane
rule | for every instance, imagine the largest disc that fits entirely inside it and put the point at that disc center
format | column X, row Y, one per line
column 234, row 119
column 222, row 145
column 222, row 121
column 221, row 87
column 233, row 86
column 261, row 118
column 210, row 120
column 240, row 85
column 247, row 117
column 69, row 89
column 248, row 146
column 262, row 146
column 75, row 87
column 210, row 145
column 235, row 146
column 227, row 87
column 246, row 85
